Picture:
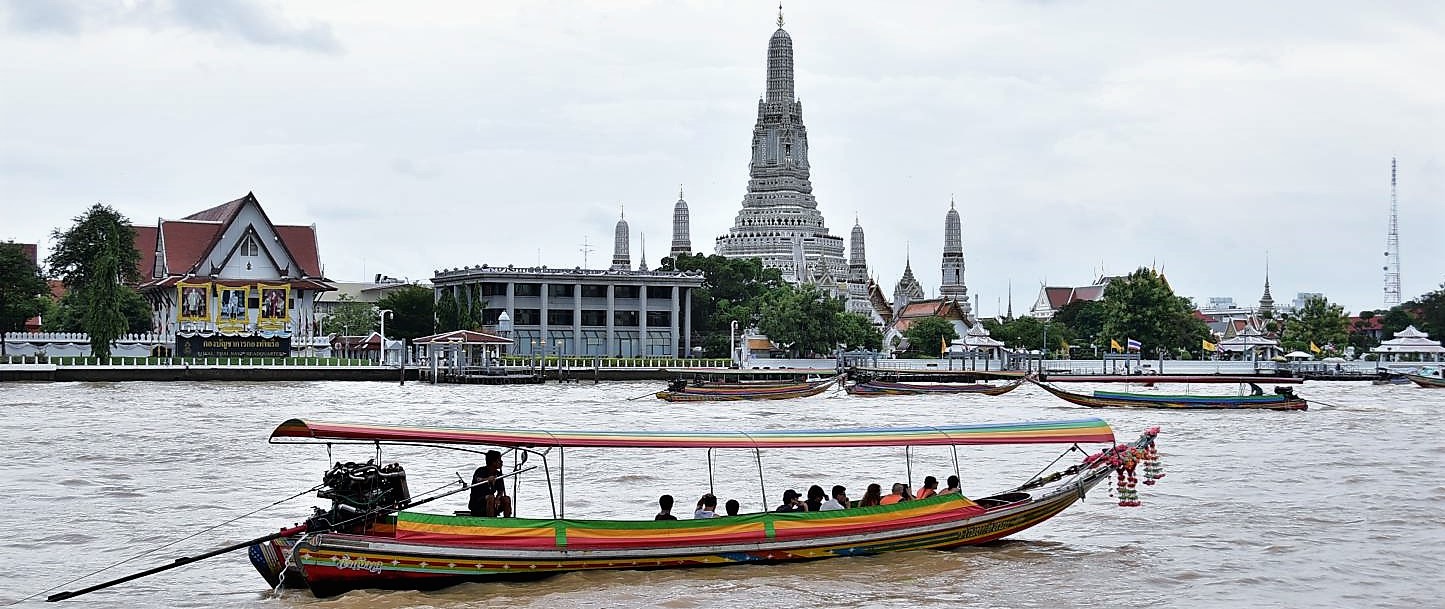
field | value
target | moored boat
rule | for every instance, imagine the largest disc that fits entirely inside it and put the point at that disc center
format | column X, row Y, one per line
column 371, row 540
column 871, row 388
column 1427, row 381
column 682, row 391
column 1283, row 398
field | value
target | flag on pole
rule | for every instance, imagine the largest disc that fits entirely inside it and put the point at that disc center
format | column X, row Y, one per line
column 1315, row 348
column 1134, row 345
column 1208, row 346
column 942, row 345
column 1114, row 344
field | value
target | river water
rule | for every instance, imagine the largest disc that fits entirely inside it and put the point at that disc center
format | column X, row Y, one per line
column 1340, row 506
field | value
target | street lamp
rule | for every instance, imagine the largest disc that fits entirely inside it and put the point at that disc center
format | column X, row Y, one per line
column 732, row 342
column 381, row 355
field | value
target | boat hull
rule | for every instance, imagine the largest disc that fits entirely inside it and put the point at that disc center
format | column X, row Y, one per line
column 724, row 394
column 880, row 388
column 1104, row 399
column 1429, row 382
column 333, row 563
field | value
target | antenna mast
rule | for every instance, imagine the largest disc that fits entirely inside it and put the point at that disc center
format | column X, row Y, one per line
column 586, row 249
column 1392, row 247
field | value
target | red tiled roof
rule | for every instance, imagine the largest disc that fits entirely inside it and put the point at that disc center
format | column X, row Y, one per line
column 221, row 213
column 1202, row 317
column 186, row 243
column 145, row 245
column 300, row 241
column 1088, row 292
column 30, row 252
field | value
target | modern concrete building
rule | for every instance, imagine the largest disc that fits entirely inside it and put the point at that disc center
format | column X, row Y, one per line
column 779, row 208
column 622, row 313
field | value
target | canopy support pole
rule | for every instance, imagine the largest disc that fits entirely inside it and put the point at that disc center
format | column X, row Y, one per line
column 710, row 488
column 908, row 465
column 562, row 481
column 552, row 499
column 761, row 484
column 956, row 471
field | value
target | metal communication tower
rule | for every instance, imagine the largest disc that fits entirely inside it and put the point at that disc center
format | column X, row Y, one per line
column 1392, row 247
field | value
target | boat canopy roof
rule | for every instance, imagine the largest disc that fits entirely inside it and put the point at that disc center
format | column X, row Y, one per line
column 1040, row 432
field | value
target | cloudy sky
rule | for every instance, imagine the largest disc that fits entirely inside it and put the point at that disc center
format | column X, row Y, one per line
column 1074, row 135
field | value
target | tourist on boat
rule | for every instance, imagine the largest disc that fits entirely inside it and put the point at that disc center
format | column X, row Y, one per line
column 900, row 493
column 489, row 491
column 872, row 496
column 792, row 502
column 706, row 507
column 839, row 501
column 930, row 488
column 952, row 486
column 665, row 502
column 816, row 497
column 732, row 507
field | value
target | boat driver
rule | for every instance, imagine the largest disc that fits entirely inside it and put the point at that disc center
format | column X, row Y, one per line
column 489, row 491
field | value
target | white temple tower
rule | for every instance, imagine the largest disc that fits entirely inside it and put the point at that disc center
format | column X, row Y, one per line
column 953, row 287
column 681, row 242
column 621, row 246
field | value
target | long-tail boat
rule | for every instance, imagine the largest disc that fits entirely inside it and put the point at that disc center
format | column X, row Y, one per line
column 1150, row 379
column 871, row 388
column 1428, row 382
column 682, row 391
column 372, row 538
column 1283, row 398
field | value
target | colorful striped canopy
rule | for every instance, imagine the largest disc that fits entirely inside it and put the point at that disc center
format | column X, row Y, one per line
column 1041, row 432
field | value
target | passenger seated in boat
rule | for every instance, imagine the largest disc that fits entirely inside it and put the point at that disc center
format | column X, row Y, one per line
column 732, row 507
column 872, row 496
column 839, row 501
column 816, row 497
column 489, row 491
column 706, row 507
column 900, row 493
column 792, row 502
column 952, row 486
column 930, row 488
column 665, row 503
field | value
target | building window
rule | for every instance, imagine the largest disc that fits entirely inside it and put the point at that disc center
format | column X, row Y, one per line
column 494, row 289
column 594, row 342
column 624, row 318
column 594, row 291
column 527, row 317
column 527, row 289
column 559, row 317
column 559, row 290
column 659, row 292
column 249, row 247
column 594, row 318
column 626, row 291
column 657, row 319
column 490, row 316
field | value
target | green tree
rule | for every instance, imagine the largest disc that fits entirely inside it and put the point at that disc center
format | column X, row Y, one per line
column 926, row 335
column 448, row 313
column 97, row 258
column 1143, row 307
column 412, row 312
column 1027, row 332
column 1318, row 322
column 856, row 331
column 68, row 314
column 801, row 318
column 1084, row 318
column 1396, row 319
column 23, row 293
column 733, row 289
column 1429, row 310
column 350, row 318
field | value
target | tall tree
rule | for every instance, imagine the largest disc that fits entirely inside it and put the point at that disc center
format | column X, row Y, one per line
column 801, row 318
column 927, row 335
column 412, row 312
column 449, row 316
column 856, row 331
column 1319, row 322
column 1430, row 310
column 1085, row 318
column 1143, row 307
column 350, row 318
column 23, row 293
column 69, row 313
column 97, row 257
column 1396, row 319
column 1028, row 332
column 732, row 290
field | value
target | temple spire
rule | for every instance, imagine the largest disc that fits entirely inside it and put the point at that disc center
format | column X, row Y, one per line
column 780, row 15
column 1266, row 302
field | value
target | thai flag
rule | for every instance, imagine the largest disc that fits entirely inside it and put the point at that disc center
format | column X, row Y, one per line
column 1134, row 345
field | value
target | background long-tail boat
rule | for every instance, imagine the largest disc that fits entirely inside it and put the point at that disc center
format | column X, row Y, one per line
column 1284, row 398
column 1429, row 382
column 870, row 388
column 369, row 540
column 682, row 391
column 1149, row 379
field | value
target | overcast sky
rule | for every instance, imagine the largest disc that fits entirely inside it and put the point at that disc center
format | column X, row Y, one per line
column 1074, row 135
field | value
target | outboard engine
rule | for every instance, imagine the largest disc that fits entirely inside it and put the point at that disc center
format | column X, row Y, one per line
column 1284, row 391
column 677, row 385
column 360, row 488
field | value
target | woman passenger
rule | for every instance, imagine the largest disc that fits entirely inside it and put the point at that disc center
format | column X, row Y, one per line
column 872, row 496
column 816, row 497
column 930, row 488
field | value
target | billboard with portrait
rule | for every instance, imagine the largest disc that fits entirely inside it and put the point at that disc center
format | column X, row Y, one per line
column 232, row 314
column 274, row 303
column 193, row 302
